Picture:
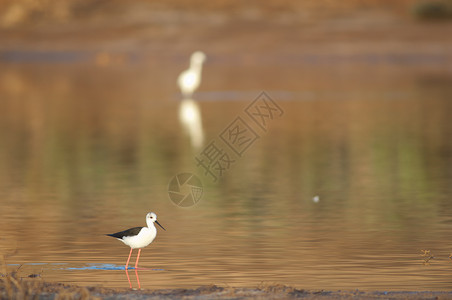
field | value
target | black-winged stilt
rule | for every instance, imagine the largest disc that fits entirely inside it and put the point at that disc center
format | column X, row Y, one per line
column 138, row 237
column 190, row 79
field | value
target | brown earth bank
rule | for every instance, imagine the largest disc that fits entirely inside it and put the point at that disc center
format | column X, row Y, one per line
column 14, row 288
column 223, row 27
column 20, row 13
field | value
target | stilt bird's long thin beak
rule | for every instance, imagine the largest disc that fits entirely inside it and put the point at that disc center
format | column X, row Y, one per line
column 159, row 225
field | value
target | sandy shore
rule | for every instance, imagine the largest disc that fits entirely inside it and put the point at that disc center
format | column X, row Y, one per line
column 13, row 288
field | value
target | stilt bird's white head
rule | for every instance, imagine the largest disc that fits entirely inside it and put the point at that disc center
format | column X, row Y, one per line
column 151, row 218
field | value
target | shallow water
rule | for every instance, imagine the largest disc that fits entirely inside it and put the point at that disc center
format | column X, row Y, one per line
column 89, row 149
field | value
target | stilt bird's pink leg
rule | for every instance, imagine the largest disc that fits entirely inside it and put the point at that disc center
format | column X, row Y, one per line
column 130, row 254
column 138, row 257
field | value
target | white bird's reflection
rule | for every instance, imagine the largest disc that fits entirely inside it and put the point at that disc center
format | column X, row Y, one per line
column 190, row 118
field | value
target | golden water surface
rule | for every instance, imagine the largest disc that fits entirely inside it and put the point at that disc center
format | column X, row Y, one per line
column 88, row 149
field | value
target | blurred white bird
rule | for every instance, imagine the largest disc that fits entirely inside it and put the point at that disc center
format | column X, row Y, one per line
column 190, row 79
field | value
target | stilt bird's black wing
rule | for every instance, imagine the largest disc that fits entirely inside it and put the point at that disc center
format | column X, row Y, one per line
column 129, row 232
